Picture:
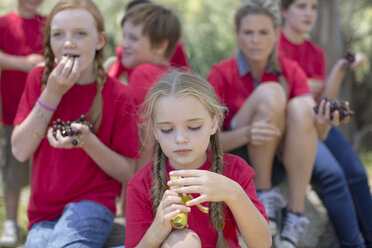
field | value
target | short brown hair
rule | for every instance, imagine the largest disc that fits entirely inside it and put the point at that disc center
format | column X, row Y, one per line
column 159, row 24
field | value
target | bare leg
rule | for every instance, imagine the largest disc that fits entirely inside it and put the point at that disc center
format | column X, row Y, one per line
column 299, row 150
column 183, row 238
column 11, row 204
column 267, row 100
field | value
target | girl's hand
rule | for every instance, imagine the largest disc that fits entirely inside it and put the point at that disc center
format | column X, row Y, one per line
column 360, row 59
column 67, row 142
column 211, row 186
column 261, row 132
column 170, row 206
column 63, row 76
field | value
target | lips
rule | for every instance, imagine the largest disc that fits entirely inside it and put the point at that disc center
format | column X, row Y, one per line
column 182, row 151
column 71, row 55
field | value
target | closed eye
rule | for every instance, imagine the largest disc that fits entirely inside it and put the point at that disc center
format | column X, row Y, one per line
column 166, row 130
column 195, row 128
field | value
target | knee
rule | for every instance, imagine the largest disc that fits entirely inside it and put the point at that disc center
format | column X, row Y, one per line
column 182, row 238
column 330, row 179
column 272, row 97
column 300, row 113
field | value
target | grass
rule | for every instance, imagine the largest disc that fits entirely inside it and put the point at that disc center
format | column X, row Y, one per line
column 366, row 157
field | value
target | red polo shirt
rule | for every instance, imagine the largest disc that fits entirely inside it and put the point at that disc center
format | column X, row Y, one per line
column 234, row 84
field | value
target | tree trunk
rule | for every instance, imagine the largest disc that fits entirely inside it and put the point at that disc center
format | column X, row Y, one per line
column 328, row 34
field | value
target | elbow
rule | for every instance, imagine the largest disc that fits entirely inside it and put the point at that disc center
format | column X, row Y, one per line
column 17, row 152
column 21, row 157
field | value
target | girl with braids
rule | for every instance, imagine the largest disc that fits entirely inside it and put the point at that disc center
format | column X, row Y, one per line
column 222, row 181
column 270, row 107
column 338, row 170
column 74, row 184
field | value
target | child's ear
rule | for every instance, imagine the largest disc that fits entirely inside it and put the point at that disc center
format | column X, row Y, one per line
column 215, row 122
column 161, row 48
column 102, row 39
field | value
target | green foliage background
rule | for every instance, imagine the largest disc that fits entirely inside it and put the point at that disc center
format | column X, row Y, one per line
column 208, row 32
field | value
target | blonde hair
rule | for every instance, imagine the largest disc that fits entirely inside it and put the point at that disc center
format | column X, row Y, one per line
column 271, row 9
column 179, row 84
column 95, row 113
column 159, row 24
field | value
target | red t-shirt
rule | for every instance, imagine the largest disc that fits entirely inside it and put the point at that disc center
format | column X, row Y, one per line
column 18, row 36
column 139, row 206
column 310, row 57
column 178, row 59
column 61, row 176
column 233, row 89
column 143, row 77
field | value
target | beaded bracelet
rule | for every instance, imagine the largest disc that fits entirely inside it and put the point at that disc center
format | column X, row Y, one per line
column 45, row 106
column 38, row 112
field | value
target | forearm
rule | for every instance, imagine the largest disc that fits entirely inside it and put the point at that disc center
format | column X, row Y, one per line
column 231, row 140
column 28, row 135
column 112, row 163
column 151, row 239
column 334, row 81
column 252, row 225
column 12, row 62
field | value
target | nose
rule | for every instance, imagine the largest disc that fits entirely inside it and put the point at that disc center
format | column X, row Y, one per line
column 181, row 137
column 69, row 42
column 255, row 38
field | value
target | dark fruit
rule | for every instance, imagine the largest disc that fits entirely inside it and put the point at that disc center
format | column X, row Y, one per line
column 66, row 129
column 336, row 105
column 350, row 58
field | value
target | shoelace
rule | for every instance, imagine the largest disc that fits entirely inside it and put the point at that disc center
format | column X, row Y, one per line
column 272, row 200
column 294, row 227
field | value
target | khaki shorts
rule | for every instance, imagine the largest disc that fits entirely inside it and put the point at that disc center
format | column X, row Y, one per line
column 15, row 174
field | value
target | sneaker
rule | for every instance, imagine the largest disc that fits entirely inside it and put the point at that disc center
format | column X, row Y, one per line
column 294, row 227
column 9, row 237
column 273, row 202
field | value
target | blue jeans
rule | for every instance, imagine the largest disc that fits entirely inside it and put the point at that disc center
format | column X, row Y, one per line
column 357, row 180
column 337, row 195
column 82, row 224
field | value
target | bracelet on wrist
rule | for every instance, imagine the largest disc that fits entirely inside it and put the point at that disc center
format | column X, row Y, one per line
column 38, row 112
column 45, row 106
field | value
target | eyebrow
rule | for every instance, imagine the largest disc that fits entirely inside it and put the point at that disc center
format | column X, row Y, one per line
column 189, row 120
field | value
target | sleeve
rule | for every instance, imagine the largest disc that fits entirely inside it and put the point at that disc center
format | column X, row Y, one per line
column 139, row 216
column 299, row 85
column 125, row 138
column 29, row 96
column 217, row 79
column 244, row 176
column 179, row 57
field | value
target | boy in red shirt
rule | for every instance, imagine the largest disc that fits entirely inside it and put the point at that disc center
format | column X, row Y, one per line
column 150, row 36
column 115, row 67
column 21, row 46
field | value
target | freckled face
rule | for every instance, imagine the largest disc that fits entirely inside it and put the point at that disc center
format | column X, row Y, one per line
column 183, row 127
column 77, row 38
column 256, row 37
column 301, row 15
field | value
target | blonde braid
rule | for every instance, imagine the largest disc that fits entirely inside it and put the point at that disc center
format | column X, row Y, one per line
column 216, row 209
column 49, row 62
column 160, row 176
column 96, row 109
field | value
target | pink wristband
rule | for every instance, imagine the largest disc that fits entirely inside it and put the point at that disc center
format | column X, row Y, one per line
column 45, row 106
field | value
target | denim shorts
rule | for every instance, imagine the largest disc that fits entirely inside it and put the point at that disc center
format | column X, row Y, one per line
column 82, row 224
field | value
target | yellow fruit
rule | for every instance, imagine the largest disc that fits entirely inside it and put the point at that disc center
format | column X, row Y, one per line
column 179, row 221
